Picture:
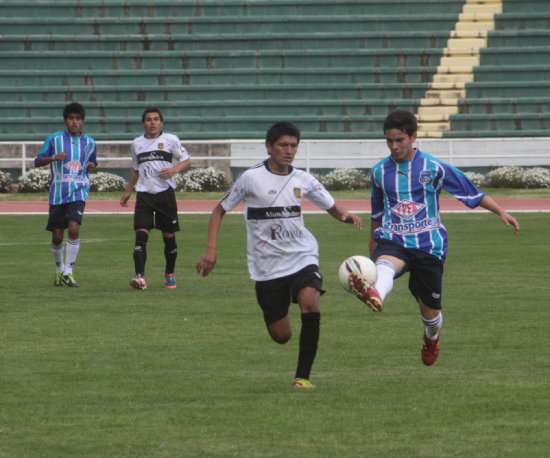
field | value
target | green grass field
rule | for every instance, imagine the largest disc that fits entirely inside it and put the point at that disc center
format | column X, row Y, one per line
column 104, row 370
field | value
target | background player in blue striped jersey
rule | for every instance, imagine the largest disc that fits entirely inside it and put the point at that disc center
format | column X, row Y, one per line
column 70, row 155
column 283, row 256
column 407, row 234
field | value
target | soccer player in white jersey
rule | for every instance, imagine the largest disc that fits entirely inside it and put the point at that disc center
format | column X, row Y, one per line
column 156, row 156
column 407, row 234
column 283, row 256
column 70, row 155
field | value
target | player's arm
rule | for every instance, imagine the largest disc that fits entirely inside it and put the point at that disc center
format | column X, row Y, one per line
column 341, row 214
column 171, row 171
column 134, row 176
column 208, row 259
column 489, row 204
column 46, row 160
column 372, row 242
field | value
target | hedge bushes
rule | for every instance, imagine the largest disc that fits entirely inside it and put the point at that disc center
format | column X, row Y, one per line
column 212, row 179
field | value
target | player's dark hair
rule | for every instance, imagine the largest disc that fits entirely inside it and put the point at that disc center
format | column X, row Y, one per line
column 75, row 108
column 402, row 120
column 151, row 110
column 280, row 129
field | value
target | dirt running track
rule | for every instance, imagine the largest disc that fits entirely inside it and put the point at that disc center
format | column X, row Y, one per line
column 206, row 206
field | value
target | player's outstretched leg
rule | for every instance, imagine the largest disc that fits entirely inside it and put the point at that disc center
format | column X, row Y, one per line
column 365, row 292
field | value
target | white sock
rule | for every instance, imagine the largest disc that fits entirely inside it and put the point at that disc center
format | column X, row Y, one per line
column 433, row 326
column 386, row 272
column 73, row 246
column 58, row 251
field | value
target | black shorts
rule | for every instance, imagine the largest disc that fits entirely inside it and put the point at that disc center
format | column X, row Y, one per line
column 60, row 215
column 274, row 296
column 159, row 211
column 426, row 271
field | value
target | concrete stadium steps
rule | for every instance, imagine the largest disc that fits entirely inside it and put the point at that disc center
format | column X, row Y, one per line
column 216, row 8
column 273, row 75
column 238, row 107
column 198, row 26
column 504, row 105
column 195, row 127
column 229, row 41
column 147, row 93
column 220, row 59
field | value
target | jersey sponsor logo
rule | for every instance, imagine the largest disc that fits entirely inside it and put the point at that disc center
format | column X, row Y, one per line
column 407, row 208
column 149, row 156
column 413, row 227
column 73, row 166
column 425, row 177
column 293, row 211
column 280, row 232
column 66, row 177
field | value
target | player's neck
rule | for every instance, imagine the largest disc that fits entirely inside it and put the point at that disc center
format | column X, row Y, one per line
column 151, row 136
column 278, row 169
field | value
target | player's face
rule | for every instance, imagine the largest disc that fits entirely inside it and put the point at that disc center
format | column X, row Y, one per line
column 74, row 124
column 152, row 125
column 282, row 153
column 400, row 144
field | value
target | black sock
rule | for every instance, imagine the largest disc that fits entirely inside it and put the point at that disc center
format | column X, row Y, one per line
column 309, row 338
column 170, row 253
column 140, row 252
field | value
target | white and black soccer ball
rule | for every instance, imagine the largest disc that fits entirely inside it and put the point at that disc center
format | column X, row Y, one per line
column 360, row 265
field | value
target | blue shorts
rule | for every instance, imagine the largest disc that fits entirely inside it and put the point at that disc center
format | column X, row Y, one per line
column 426, row 271
column 274, row 296
column 60, row 215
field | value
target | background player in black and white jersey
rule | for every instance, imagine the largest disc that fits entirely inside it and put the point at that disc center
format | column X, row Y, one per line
column 153, row 155
column 283, row 256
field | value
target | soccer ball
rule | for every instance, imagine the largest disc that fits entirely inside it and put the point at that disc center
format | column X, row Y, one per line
column 359, row 264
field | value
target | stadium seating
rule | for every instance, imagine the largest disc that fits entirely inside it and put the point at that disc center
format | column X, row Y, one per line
column 510, row 91
column 228, row 69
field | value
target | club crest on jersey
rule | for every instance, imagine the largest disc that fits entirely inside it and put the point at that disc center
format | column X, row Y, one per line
column 425, row 177
column 73, row 166
column 160, row 146
column 298, row 193
column 407, row 209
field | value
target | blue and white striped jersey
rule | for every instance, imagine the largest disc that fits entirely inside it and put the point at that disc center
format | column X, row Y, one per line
column 405, row 199
column 69, row 179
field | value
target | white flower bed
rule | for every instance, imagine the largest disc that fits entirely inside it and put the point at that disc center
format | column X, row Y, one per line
column 104, row 181
column 517, row 177
column 202, row 179
column 5, row 182
column 339, row 179
column 36, row 180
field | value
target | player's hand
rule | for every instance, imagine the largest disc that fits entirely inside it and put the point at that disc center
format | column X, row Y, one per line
column 166, row 173
column 206, row 263
column 510, row 221
column 60, row 156
column 353, row 219
column 91, row 167
column 124, row 199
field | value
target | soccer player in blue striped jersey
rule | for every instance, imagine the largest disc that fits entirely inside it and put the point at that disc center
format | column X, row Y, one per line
column 70, row 155
column 407, row 234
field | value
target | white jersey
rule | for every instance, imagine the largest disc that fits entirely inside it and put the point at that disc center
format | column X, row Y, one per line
column 151, row 155
column 278, row 244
